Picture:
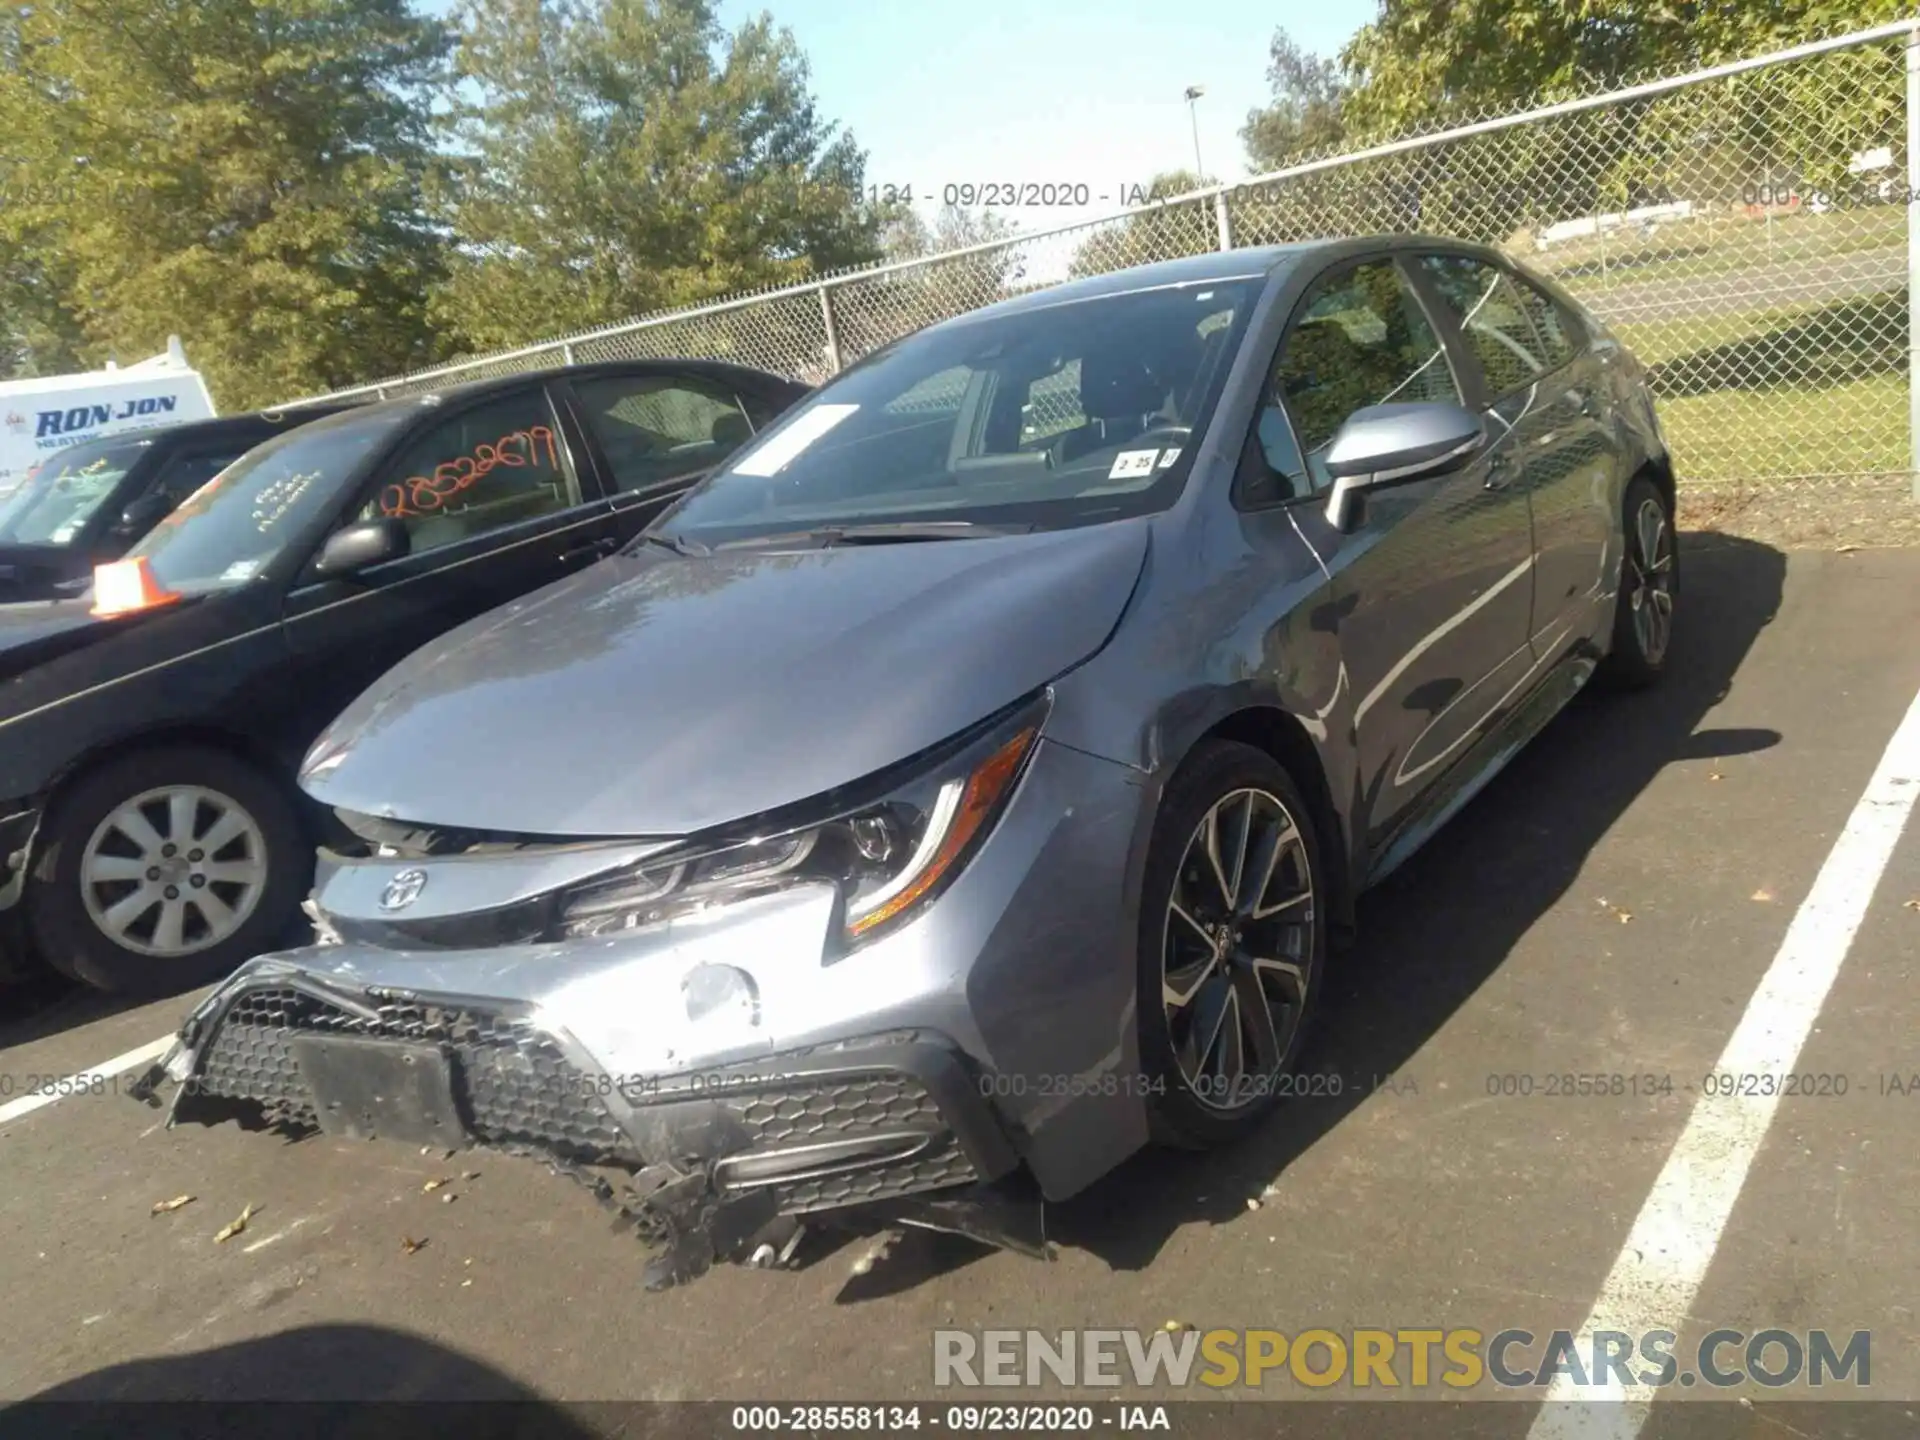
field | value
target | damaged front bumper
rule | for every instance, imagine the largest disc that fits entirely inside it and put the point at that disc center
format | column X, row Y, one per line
column 707, row 1151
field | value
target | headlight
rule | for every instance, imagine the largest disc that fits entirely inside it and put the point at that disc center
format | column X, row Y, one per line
column 891, row 844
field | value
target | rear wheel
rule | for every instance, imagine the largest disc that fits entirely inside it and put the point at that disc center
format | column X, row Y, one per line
column 1232, row 941
column 167, row 869
column 1649, row 585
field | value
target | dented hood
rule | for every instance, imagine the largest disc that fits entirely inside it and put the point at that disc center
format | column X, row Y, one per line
column 658, row 695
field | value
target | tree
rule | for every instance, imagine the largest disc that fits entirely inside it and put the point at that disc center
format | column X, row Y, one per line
column 626, row 156
column 1304, row 117
column 874, row 312
column 1167, row 229
column 247, row 174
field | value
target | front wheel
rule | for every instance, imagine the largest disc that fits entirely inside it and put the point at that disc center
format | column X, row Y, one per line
column 168, row 869
column 1649, row 585
column 1232, row 942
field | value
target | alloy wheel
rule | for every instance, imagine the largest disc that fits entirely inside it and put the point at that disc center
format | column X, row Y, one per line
column 1650, row 580
column 173, row 871
column 1236, row 949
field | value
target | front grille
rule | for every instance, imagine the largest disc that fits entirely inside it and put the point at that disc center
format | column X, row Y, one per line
column 513, row 1083
column 786, row 1110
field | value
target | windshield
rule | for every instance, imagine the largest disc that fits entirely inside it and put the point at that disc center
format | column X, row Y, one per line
column 1079, row 411
column 58, row 498
column 233, row 527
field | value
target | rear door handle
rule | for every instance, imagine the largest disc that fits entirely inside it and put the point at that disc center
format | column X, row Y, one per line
column 592, row 550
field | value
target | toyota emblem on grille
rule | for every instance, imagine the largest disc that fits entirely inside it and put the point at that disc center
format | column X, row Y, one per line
column 403, row 889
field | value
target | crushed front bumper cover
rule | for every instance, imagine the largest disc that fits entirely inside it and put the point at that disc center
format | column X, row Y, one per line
column 717, row 1163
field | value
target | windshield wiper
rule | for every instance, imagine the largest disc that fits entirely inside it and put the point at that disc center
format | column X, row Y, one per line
column 679, row 544
column 880, row 532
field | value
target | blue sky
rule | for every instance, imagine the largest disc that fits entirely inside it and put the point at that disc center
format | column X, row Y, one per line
column 1043, row 90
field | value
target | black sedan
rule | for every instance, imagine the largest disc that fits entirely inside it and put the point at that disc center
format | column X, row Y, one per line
column 151, row 837
column 91, row 502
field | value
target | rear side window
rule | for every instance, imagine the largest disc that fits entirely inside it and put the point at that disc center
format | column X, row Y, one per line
column 1513, row 329
column 658, row 429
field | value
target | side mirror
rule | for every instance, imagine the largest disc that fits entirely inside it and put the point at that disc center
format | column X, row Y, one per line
column 1386, row 445
column 142, row 515
column 357, row 547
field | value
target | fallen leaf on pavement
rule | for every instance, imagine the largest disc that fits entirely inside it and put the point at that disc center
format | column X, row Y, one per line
column 167, row 1207
column 1713, row 775
column 1174, row 1327
column 433, row 1185
column 448, row 1198
column 408, row 1245
column 234, row 1226
column 1763, row 895
column 1912, row 905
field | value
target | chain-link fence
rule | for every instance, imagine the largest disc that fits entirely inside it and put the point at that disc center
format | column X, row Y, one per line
column 1748, row 230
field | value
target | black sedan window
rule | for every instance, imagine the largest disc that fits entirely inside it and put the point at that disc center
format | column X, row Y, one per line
column 230, row 529
column 66, row 491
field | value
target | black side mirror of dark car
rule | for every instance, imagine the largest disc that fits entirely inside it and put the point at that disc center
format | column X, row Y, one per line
column 371, row 542
column 1386, row 445
column 142, row 515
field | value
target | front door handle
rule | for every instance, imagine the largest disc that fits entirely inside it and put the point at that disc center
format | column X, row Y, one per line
column 592, row 550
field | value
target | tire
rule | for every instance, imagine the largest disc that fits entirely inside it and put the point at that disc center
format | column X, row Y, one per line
column 1649, row 587
column 1196, row 1102
column 98, row 858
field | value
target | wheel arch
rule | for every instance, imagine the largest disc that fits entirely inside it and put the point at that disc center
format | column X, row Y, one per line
column 1279, row 733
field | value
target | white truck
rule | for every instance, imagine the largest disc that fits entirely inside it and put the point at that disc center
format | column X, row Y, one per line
column 42, row 416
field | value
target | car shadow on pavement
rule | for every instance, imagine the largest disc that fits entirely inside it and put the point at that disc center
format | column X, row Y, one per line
column 347, row 1375
column 1501, row 863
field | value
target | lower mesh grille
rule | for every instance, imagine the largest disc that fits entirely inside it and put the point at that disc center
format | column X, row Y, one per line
column 783, row 1111
column 513, row 1083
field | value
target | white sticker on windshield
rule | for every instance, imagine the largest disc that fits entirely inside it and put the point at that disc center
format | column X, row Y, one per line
column 240, row 570
column 1132, row 462
column 790, row 442
column 1167, row 457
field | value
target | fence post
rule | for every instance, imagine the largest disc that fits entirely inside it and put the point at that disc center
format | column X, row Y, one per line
column 833, row 334
column 566, row 353
column 1222, row 219
column 1913, row 258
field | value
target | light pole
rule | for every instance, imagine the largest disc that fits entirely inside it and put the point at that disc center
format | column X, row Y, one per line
column 1194, row 92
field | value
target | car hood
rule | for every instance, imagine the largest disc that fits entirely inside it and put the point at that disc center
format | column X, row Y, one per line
column 657, row 695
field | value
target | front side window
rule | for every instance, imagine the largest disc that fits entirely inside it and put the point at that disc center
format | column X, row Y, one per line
column 1359, row 338
column 1492, row 311
column 1064, row 413
column 658, row 429
column 230, row 529
column 489, row 466
column 67, row 491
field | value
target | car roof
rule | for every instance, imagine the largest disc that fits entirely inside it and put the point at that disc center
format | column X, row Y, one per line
column 722, row 370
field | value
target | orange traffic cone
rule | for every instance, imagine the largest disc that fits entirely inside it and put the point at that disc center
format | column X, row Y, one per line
column 122, row 587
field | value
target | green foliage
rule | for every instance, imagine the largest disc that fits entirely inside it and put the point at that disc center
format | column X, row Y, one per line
column 247, row 174
column 1166, row 231
column 1304, row 118
column 625, row 156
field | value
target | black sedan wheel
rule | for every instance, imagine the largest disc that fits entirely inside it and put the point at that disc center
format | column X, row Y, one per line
column 165, row 870
column 1232, row 938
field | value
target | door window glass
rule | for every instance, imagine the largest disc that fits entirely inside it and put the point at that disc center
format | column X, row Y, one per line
column 656, row 429
column 1360, row 338
column 1492, row 311
column 490, row 466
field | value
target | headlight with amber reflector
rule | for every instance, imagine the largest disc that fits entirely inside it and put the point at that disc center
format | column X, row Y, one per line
column 889, row 855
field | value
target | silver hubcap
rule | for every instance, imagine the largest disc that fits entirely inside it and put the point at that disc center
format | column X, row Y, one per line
column 1650, row 580
column 1235, row 950
column 173, row 871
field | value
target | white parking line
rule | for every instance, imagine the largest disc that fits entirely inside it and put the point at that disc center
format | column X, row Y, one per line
column 102, row 1075
column 1654, row 1281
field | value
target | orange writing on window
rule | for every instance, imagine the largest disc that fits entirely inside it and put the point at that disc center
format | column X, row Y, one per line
column 420, row 495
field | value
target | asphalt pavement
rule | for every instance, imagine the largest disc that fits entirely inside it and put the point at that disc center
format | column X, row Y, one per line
column 1613, row 905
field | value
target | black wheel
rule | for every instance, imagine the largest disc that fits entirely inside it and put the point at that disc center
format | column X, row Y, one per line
column 1649, row 585
column 166, row 869
column 1233, row 937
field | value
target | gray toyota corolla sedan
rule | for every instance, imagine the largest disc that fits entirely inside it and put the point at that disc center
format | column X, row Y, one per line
column 964, row 785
